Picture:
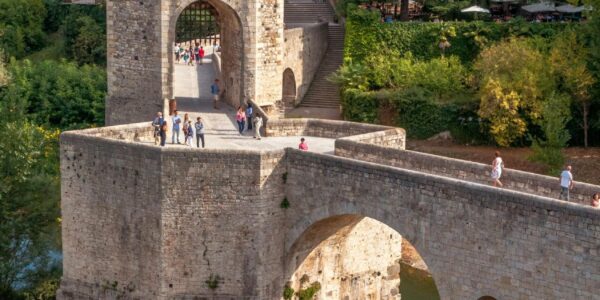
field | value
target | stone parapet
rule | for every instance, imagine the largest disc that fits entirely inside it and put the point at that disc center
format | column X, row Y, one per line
column 461, row 169
column 320, row 128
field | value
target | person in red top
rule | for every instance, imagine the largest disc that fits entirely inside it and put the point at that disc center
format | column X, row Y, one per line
column 303, row 146
column 201, row 55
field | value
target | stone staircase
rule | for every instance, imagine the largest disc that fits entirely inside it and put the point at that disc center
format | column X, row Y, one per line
column 321, row 93
column 307, row 11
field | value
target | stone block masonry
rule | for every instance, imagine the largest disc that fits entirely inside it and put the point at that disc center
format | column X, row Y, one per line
column 144, row 222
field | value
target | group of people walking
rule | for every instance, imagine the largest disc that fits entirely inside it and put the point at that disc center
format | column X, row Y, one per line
column 189, row 55
column 246, row 116
column 565, row 178
column 189, row 130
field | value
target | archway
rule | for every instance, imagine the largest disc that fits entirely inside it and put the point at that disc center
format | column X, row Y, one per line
column 288, row 93
column 215, row 26
column 355, row 257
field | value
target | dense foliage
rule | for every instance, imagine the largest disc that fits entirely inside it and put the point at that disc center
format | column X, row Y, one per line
column 485, row 82
column 49, row 82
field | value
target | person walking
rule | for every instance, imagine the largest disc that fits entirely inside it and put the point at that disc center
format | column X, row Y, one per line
column 192, row 56
column 497, row 167
column 157, row 123
column 303, row 145
column 196, row 53
column 566, row 183
column 215, row 90
column 176, row 119
column 240, row 118
column 176, row 50
column 249, row 113
column 199, row 132
column 189, row 136
column 258, row 122
column 186, row 56
column 201, row 55
column 163, row 134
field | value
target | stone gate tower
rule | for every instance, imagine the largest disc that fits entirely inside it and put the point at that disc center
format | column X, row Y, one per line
column 141, row 34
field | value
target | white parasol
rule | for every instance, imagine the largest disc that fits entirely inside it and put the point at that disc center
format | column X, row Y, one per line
column 539, row 7
column 475, row 9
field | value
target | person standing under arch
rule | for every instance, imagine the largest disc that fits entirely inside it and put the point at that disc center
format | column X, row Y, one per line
column 200, row 55
column 215, row 90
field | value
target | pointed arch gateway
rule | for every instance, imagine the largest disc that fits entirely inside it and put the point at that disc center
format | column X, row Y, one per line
column 206, row 23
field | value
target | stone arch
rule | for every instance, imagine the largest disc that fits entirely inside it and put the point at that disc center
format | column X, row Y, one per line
column 311, row 247
column 233, row 47
column 288, row 89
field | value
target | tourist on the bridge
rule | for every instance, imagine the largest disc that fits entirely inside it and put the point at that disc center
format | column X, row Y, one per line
column 199, row 132
column 215, row 90
column 176, row 50
column 157, row 123
column 186, row 119
column 216, row 48
column 200, row 55
column 196, row 53
column 163, row 134
column 249, row 112
column 596, row 200
column 303, row 145
column 566, row 183
column 189, row 137
column 258, row 122
column 240, row 118
column 497, row 166
column 191, row 61
column 176, row 119
column 186, row 56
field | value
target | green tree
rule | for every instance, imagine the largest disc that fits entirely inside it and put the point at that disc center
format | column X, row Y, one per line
column 90, row 43
column 56, row 94
column 555, row 115
column 513, row 80
column 569, row 61
column 21, row 24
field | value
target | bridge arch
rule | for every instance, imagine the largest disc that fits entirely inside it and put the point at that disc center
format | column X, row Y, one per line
column 352, row 256
column 232, row 46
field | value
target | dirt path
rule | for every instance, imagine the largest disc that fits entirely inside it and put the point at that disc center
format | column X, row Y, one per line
column 585, row 162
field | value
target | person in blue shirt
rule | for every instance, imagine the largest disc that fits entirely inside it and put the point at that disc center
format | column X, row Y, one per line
column 249, row 112
column 176, row 119
column 215, row 90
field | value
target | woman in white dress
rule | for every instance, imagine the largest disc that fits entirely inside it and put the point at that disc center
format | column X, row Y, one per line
column 497, row 166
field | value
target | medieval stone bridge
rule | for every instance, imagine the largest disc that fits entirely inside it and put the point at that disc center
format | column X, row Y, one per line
column 144, row 222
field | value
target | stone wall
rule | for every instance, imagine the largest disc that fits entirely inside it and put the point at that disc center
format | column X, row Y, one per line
column 111, row 214
column 476, row 240
column 461, row 169
column 321, row 128
column 305, row 48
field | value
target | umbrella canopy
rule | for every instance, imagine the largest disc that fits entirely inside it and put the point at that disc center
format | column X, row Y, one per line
column 504, row 1
column 475, row 9
column 539, row 7
column 570, row 9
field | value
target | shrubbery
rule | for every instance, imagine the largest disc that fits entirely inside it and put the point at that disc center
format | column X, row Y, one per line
column 485, row 82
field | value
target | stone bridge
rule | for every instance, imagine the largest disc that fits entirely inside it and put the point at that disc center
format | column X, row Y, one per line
column 144, row 222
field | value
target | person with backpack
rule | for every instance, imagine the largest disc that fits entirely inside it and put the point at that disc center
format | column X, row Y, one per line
column 199, row 132
column 157, row 123
column 189, row 136
column 186, row 56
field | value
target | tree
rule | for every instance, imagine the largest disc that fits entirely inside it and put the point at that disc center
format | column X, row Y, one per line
column 568, row 58
column 21, row 26
column 555, row 115
column 513, row 80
